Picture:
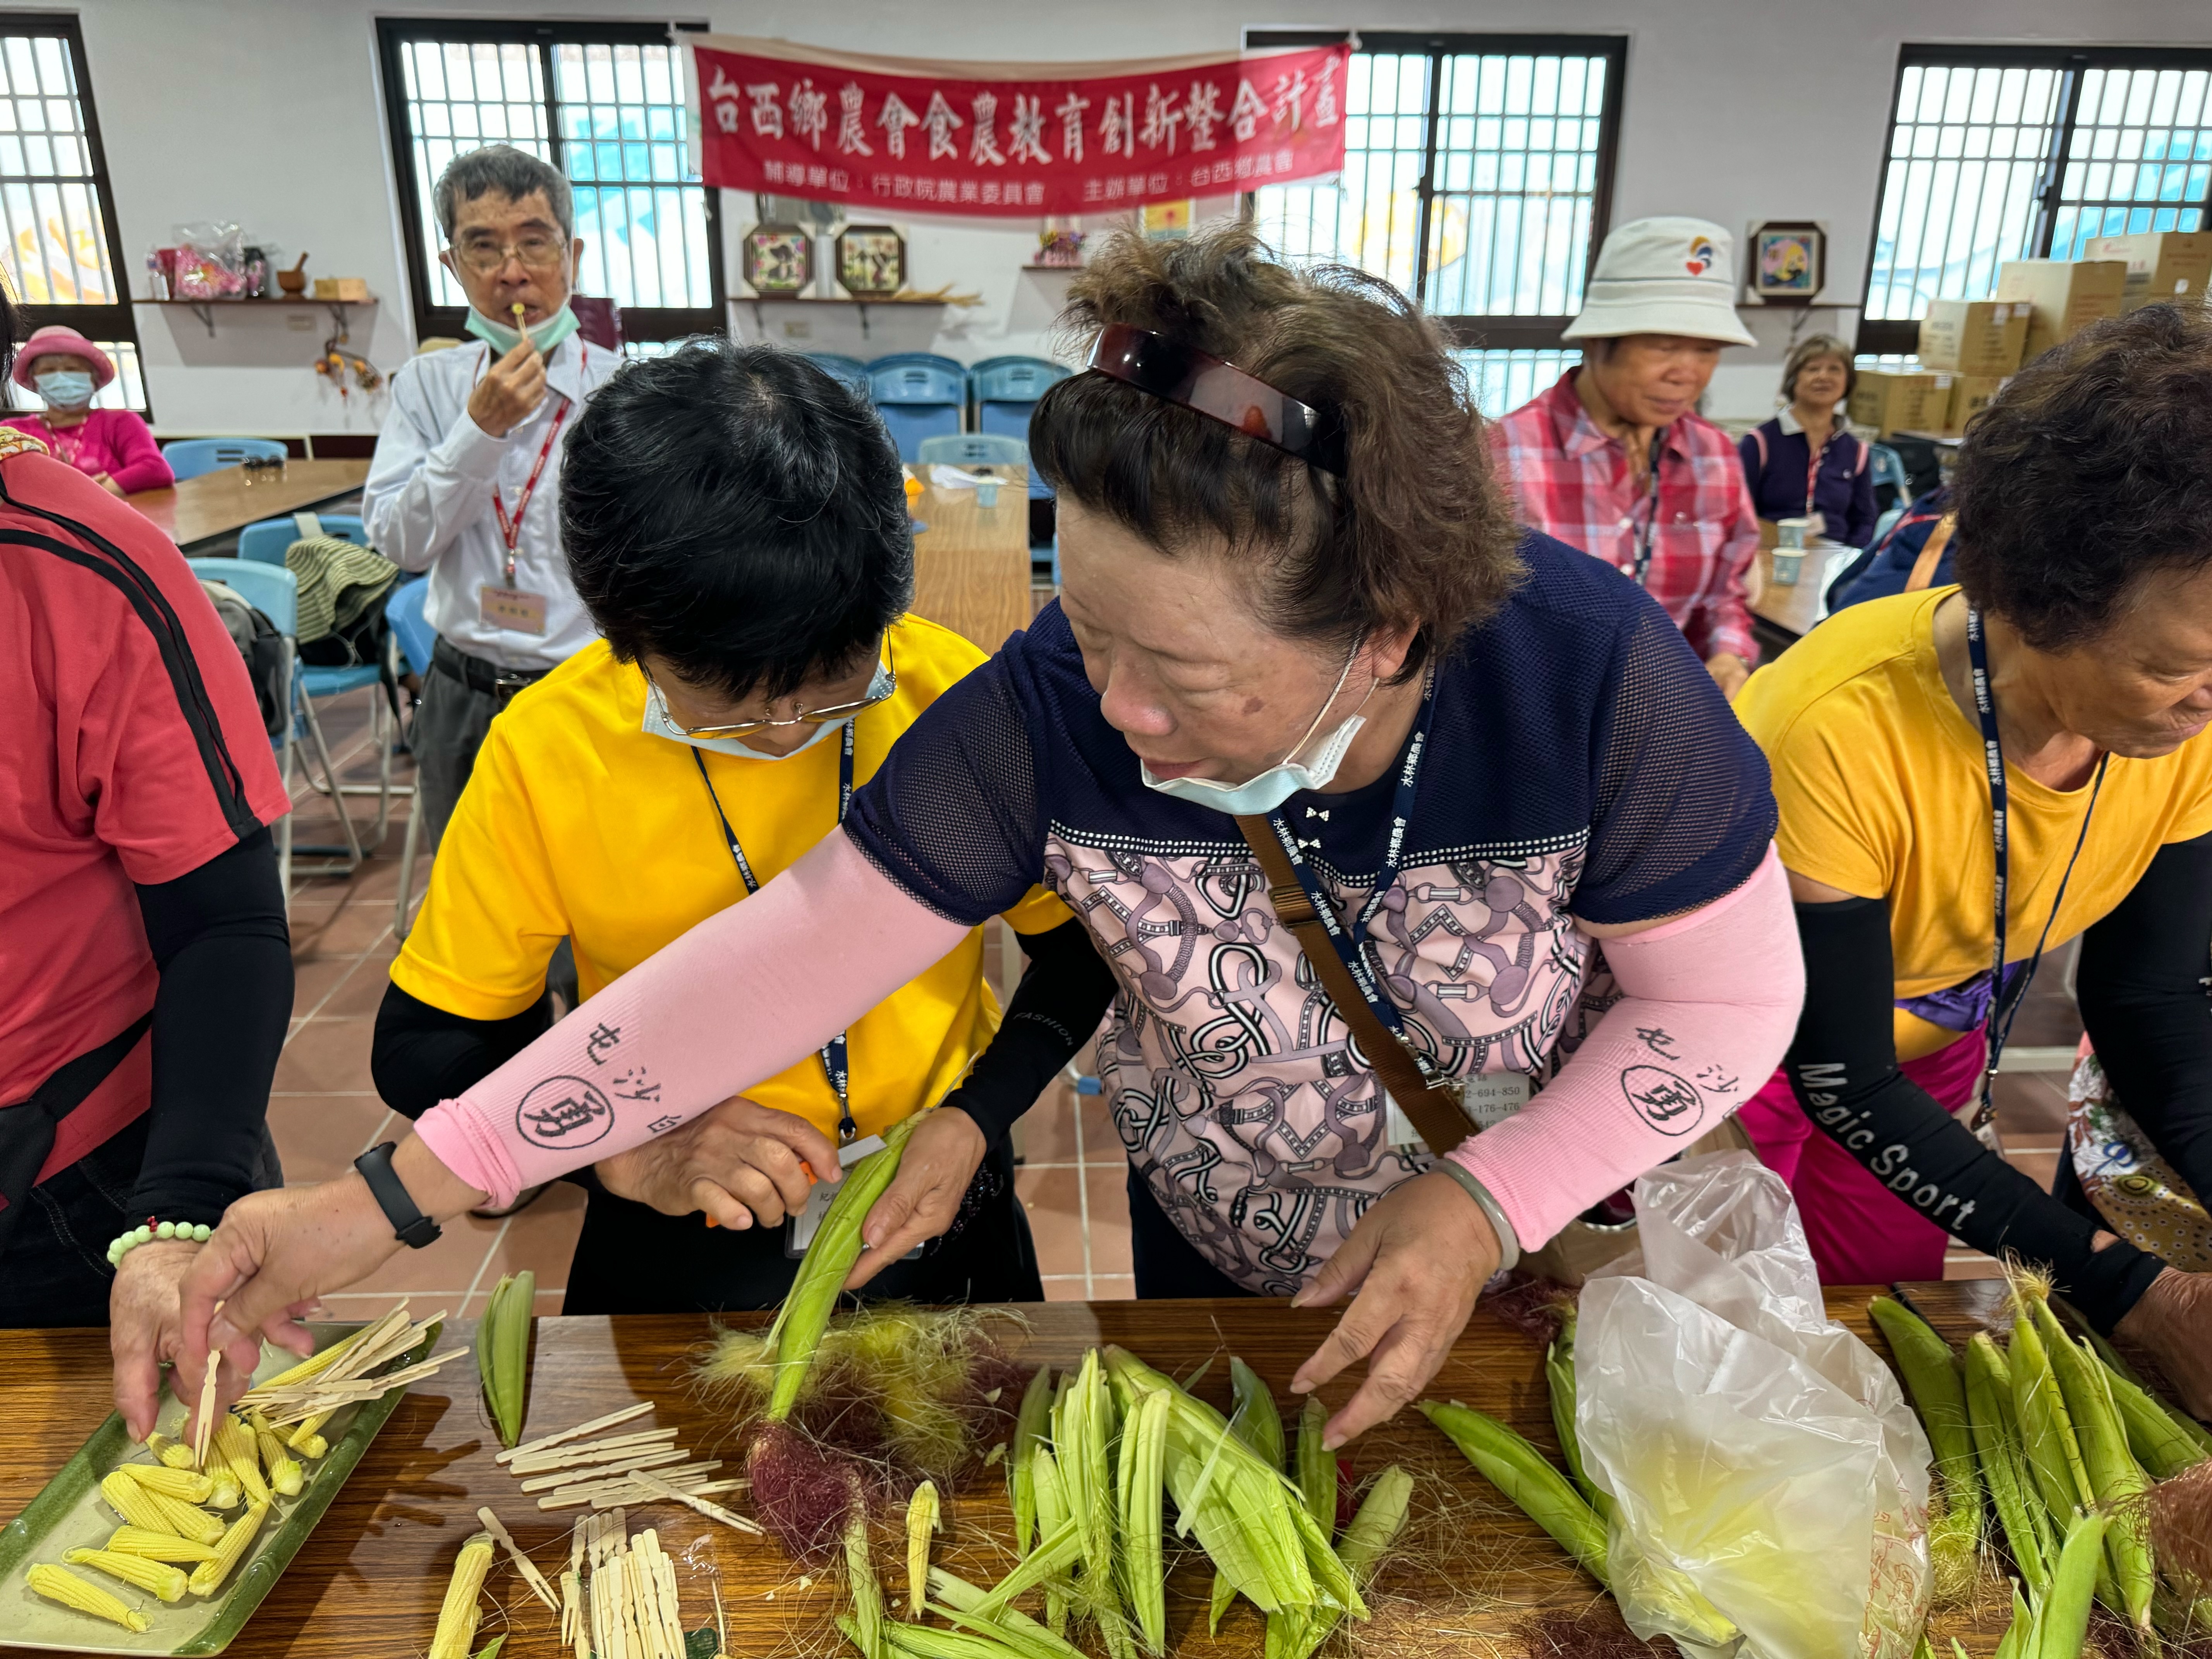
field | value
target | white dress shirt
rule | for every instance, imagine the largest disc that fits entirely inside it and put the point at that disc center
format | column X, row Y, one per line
column 428, row 503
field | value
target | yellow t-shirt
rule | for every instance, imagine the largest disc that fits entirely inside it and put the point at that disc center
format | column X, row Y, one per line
column 578, row 823
column 1882, row 785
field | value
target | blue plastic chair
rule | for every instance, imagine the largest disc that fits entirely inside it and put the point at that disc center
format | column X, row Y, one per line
column 274, row 591
column 412, row 633
column 1888, row 468
column 267, row 540
column 1008, row 389
column 919, row 395
column 846, row 371
column 974, row 449
column 190, row 456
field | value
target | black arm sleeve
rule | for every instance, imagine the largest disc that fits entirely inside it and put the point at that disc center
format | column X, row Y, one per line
column 2143, row 989
column 221, row 942
column 1063, row 995
column 422, row 1056
column 1842, row 1067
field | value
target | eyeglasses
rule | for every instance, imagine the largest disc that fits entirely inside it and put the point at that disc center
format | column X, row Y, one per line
column 836, row 711
column 536, row 253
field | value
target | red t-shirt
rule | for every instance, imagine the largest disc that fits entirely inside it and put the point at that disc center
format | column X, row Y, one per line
column 131, row 752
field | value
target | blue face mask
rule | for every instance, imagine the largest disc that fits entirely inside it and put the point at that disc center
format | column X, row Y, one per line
column 658, row 722
column 1277, row 783
column 505, row 336
column 64, row 388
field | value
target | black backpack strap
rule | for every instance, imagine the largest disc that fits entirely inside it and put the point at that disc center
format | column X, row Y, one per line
column 26, row 1130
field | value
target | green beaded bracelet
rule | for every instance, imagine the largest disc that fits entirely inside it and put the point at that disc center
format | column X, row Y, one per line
column 195, row 1232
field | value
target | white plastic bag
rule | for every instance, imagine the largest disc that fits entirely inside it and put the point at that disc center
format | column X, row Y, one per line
column 1748, row 1441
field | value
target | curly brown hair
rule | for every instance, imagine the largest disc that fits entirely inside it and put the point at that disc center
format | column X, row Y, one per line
column 1418, row 533
column 2092, row 469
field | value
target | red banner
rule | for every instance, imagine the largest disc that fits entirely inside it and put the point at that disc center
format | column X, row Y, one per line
column 1012, row 139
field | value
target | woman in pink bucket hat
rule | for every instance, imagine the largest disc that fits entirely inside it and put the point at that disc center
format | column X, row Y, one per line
column 110, row 446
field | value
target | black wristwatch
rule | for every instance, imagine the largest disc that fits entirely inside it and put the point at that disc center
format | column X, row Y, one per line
column 409, row 1224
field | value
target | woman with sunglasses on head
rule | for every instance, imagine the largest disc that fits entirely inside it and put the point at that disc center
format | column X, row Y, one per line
column 735, row 523
column 1303, row 662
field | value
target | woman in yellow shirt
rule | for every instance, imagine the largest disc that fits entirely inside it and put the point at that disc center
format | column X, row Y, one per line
column 736, row 523
column 2078, row 649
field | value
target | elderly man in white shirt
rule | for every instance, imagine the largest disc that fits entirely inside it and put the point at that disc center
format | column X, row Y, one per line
column 466, row 483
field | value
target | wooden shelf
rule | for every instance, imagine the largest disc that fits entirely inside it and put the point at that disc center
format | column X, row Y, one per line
column 206, row 309
column 756, row 301
column 1061, row 268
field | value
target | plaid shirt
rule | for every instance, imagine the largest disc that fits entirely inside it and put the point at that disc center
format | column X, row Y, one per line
column 1575, row 482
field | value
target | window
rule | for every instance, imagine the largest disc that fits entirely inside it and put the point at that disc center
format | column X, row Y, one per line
column 62, row 259
column 2005, row 153
column 1477, row 173
column 603, row 103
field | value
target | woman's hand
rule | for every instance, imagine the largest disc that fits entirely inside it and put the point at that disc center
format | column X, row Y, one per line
column 107, row 483
column 145, row 1328
column 1730, row 671
column 940, row 1160
column 1418, row 1258
column 2173, row 1323
column 740, row 1163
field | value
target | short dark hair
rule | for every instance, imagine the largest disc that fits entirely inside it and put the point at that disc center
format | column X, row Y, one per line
column 2091, row 470
column 1417, row 533
column 735, row 511
column 515, row 173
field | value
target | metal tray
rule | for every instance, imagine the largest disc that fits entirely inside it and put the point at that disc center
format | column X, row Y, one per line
column 69, row 1514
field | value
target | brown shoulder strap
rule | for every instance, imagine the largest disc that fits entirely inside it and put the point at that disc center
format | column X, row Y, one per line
column 1429, row 1106
column 1931, row 555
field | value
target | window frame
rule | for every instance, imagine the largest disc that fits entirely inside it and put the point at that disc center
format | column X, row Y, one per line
column 1900, row 337
column 432, row 318
column 1506, row 332
column 117, row 322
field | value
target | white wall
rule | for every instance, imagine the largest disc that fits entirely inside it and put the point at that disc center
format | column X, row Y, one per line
column 269, row 112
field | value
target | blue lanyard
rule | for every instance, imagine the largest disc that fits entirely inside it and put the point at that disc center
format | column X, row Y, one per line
column 1347, row 944
column 2002, row 1015
column 835, row 1054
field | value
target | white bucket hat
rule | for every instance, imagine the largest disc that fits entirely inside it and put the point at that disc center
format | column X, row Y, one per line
column 1663, row 277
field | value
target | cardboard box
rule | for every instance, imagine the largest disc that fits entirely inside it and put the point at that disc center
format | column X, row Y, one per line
column 347, row 288
column 1973, row 336
column 1885, row 399
column 1970, row 396
column 2064, row 296
column 2164, row 266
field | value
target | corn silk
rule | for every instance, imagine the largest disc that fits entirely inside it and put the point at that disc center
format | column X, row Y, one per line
column 1747, row 1442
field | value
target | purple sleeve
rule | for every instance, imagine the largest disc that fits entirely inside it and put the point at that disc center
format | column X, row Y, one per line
column 138, row 463
column 1858, row 528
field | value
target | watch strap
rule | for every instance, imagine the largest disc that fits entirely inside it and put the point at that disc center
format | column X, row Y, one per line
column 408, row 1225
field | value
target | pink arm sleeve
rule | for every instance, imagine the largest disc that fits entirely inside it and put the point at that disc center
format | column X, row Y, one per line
column 138, row 463
column 1710, row 1000
column 740, row 997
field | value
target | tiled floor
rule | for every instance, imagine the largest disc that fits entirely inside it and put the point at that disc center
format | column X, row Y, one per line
column 325, row 1110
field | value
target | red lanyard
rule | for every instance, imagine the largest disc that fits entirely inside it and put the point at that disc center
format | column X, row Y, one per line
column 66, row 452
column 510, row 529
column 1812, row 459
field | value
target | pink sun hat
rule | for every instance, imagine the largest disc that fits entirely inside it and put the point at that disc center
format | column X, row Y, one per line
column 59, row 340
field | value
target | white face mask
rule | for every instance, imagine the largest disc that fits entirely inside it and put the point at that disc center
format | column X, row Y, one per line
column 1279, row 782
column 658, row 722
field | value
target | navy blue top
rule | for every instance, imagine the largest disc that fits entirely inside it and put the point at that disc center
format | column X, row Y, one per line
column 1576, row 718
column 1775, row 463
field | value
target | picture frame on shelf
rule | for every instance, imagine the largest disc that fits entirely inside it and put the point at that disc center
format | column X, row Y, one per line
column 871, row 261
column 1789, row 263
column 777, row 259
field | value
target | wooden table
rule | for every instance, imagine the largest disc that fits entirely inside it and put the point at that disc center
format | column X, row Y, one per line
column 1794, row 609
column 370, row 1579
column 230, row 498
column 971, row 566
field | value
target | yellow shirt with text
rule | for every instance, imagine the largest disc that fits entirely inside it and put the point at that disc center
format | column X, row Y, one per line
column 1883, row 792
column 575, row 822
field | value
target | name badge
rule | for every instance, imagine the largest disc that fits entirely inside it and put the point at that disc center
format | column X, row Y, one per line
column 512, row 608
column 798, row 1231
column 1488, row 1099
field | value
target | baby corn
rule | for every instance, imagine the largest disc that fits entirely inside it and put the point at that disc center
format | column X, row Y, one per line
column 1142, row 1481
column 2114, row 1476
column 957, row 1599
column 285, row 1475
column 867, row 1594
column 233, row 1442
column 169, row 1451
column 60, row 1584
column 182, row 1484
column 1021, row 1479
column 157, row 1579
column 134, row 1503
column 207, row 1577
column 186, row 1520
column 1931, row 1377
column 503, row 1352
column 923, row 1518
column 305, row 1438
column 2012, row 1492
column 1382, row 1516
column 457, row 1619
column 158, row 1546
